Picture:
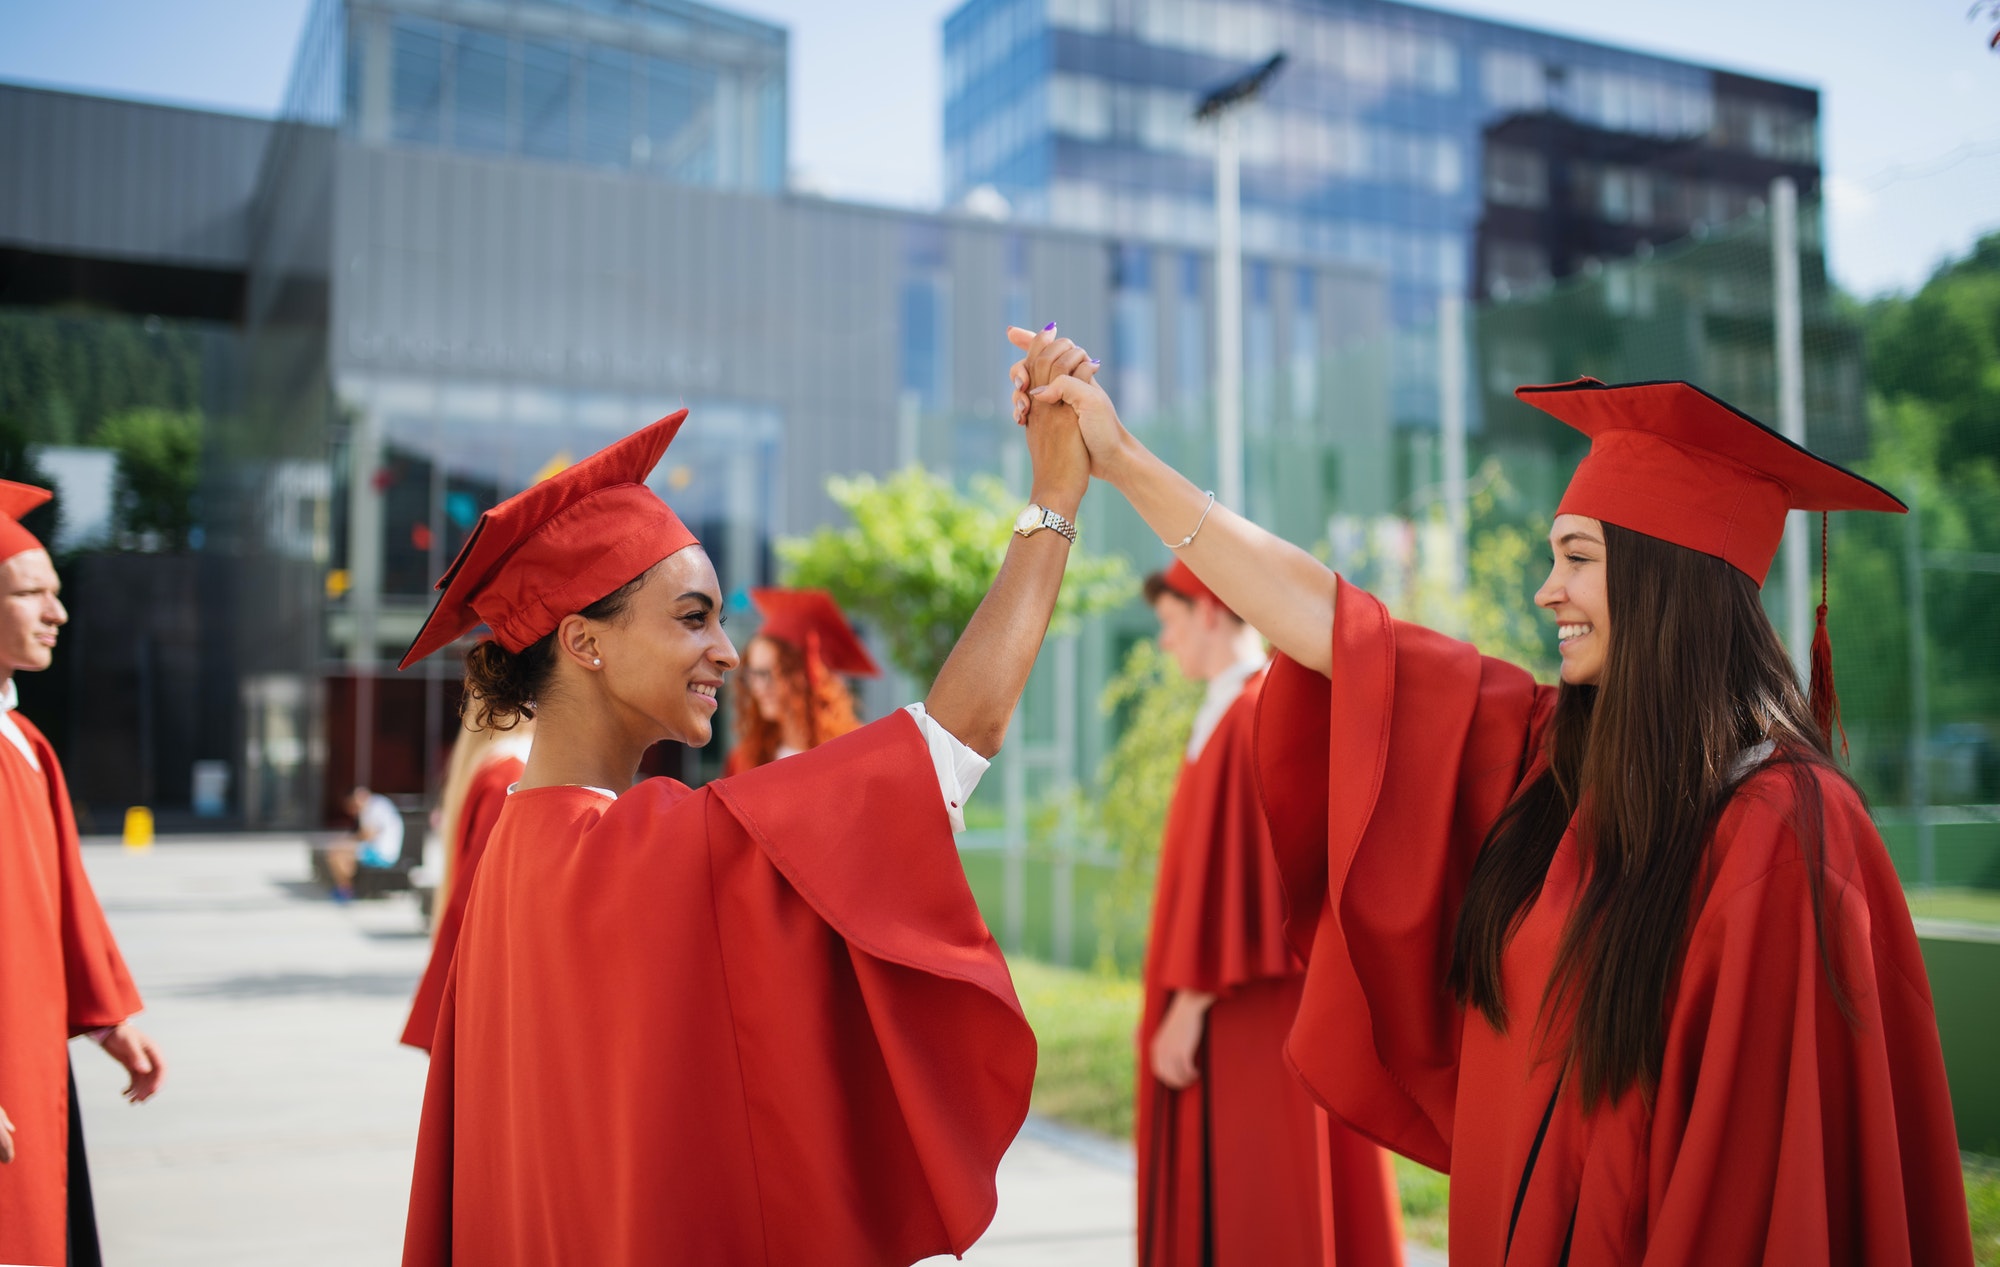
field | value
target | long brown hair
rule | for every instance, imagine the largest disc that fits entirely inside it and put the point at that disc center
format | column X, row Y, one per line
column 829, row 709
column 1645, row 762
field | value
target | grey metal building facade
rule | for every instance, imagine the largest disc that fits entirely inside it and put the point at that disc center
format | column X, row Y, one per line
column 420, row 328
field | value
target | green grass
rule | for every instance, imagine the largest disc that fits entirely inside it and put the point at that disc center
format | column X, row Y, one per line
column 1982, row 1194
column 1976, row 906
column 1085, row 1021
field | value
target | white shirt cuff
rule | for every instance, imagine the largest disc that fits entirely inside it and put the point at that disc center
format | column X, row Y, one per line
column 958, row 767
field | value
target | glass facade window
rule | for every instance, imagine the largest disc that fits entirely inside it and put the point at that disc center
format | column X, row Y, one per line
column 1260, row 349
column 1190, row 336
column 480, row 71
column 706, row 106
column 417, row 80
column 1516, row 178
column 607, row 107
column 1134, row 332
column 680, row 119
column 546, row 98
column 1304, row 347
column 923, row 342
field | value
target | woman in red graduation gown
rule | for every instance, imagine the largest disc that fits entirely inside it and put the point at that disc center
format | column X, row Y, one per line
column 60, row 971
column 1237, row 1165
column 1626, row 957
column 757, row 1023
column 484, row 764
column 791, row 697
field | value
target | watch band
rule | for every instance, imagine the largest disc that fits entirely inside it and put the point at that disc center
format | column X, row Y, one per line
column 1049, row 519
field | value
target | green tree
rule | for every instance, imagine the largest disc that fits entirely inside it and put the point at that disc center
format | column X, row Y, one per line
column 1933, row 373
column 917, row 556
column 159, row 462
column 1155, row 708
column 17, row 463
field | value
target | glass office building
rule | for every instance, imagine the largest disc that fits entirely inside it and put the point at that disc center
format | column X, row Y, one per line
column 677, row 91
column 1370, row 147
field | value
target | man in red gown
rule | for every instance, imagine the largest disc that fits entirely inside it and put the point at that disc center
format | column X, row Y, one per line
column 60, row 971
column 1236, row 1163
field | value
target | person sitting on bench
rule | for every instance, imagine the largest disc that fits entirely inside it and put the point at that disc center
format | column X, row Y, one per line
column 376, row 841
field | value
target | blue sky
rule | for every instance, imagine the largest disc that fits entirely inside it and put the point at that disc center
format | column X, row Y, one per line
column 1911, row 96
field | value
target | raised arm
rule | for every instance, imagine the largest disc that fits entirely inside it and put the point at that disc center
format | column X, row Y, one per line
column 982, row 680
column 1282, row 591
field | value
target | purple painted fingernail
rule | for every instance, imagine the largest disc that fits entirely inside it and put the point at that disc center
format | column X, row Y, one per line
column 1050, row 326
column 1095, row 361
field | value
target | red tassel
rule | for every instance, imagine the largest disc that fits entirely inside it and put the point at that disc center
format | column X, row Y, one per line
column 1825, row 702
column 1824, row 699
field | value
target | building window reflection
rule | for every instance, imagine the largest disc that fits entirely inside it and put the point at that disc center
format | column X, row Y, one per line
column 479, row 91
column 417, row 80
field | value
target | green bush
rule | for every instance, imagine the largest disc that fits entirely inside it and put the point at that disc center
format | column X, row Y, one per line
column 917, row 558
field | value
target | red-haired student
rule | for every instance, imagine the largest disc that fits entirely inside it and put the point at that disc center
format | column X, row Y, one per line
column 60, row 971
column 793, row 697
column 1627, row 957
column 1237, row 1165
column 758, row 1022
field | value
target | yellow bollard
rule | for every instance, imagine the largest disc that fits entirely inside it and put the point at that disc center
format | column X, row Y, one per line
column 138, row 828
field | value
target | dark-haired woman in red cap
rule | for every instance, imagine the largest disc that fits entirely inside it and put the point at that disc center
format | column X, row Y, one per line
column 792, row 696
column 760, row 1022
column 1626, row 956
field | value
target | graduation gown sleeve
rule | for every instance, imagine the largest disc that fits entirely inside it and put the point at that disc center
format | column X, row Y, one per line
column 1380, row 785
column 758, row 1023
column 1786, row 1132
column 485, row 797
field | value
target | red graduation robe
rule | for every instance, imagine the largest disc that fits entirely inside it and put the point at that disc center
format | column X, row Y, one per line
column 1242, row 1167
column 1780, row 1133
column 60, row 975
column 485, row 797
column 761, row 1022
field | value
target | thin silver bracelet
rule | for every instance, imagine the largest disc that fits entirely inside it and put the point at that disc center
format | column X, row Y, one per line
column 1188, row 540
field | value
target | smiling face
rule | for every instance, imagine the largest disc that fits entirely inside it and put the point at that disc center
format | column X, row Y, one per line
column 30, row 612
column 1576, row 595
column 665, row 655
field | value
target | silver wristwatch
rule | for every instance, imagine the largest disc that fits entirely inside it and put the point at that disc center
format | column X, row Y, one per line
column 1033, row 519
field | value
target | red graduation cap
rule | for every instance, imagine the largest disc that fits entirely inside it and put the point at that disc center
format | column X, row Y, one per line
column 1180, row 579
column 1673, row 462
column 558, row 547
column 17, row 500
column 810, row 620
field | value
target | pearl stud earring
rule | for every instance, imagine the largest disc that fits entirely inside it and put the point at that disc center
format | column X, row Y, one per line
column 598, row 663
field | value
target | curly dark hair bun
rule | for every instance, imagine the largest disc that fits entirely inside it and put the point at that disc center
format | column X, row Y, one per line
column 502, row 686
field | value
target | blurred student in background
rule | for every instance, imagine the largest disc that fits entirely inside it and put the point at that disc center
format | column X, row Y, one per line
column 485, row 762
column 792, row 698
column 1237, row 1165
column 60, row 971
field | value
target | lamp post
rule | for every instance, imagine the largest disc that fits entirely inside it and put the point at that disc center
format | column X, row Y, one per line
column 1223, row 106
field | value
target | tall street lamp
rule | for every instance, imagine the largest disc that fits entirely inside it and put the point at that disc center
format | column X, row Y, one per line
column 1223, row 106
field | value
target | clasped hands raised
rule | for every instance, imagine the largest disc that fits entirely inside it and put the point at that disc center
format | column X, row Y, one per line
column 1056, row 382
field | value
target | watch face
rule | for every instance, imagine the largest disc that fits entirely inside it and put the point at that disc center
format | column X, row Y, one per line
column 1030, row 517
